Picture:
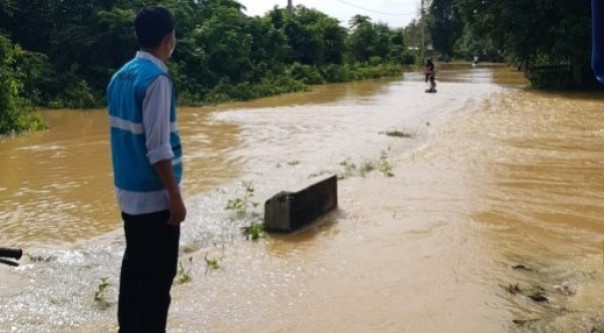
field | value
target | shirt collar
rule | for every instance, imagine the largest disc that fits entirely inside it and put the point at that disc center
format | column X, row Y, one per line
column 152, row 58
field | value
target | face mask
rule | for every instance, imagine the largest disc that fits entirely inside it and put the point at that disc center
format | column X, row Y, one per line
column 173, row 47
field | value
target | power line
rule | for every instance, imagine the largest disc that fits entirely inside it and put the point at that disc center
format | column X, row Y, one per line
column 374, row 11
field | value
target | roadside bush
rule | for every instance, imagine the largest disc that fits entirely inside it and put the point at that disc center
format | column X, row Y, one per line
column 77, row 95
column 375, row 61
column 306, row 73
column 244, row 91
column 408, row 58
column 14, row 117
column 336, row 73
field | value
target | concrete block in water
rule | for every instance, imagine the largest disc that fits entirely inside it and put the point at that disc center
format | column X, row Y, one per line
column 290, row 210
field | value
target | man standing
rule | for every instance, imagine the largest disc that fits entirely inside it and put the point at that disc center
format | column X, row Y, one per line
column 147, row 165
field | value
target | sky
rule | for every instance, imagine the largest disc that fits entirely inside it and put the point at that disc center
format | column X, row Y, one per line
column 401, row 11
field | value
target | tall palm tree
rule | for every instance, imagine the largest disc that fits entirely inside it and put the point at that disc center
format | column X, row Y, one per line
column 357, row 20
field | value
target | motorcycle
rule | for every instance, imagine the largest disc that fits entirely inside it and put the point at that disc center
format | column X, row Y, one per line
column 431, row 83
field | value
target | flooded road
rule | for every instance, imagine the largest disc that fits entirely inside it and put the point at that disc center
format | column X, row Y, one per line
column 493, row 176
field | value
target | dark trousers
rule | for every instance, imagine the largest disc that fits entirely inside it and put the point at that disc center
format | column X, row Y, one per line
column 148, row 269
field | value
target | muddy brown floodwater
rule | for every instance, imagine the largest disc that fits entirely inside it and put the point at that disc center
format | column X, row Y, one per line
column 497, row 196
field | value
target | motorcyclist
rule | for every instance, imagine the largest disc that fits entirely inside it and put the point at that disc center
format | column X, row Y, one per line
column 429, row 70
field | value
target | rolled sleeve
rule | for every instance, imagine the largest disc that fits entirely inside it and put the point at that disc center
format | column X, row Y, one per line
column 160, row 153
column 156, row 120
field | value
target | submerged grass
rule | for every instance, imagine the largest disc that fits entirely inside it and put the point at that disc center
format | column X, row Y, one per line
column 103, row 286
column 255, row 230
column 241, row 204
column 366, row 168
column 211, row 263
column 399, row 134
column 184, row 275
column 350, row 169
column 385, row 166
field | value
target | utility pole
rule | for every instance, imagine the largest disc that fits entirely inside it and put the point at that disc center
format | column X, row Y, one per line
column 422, row 18
column 290, row 8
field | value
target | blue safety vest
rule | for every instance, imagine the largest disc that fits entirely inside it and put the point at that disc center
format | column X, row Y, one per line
column 125, row 95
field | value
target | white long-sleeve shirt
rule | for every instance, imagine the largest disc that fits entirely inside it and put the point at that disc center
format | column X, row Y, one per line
column 156, row 122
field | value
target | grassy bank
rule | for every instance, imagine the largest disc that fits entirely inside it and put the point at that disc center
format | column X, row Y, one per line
column 297, row 78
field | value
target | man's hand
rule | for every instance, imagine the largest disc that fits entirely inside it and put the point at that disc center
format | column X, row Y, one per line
column 178, row 211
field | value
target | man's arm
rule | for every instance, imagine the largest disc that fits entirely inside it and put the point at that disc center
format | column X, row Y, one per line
column 156, row 120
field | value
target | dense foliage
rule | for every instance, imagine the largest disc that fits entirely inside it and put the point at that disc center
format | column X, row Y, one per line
column 74, row 46
column 14, row 115
column 528, row 33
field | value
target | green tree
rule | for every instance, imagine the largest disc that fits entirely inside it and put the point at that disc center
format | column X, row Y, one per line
column 226, row 43
column 527, row 30
column 9, row 108
column 383, row 42
column 412, row 34
column 13, row 116
column 358, row 20
column 269, row 47
column 445, row 26
column 375, row 42
column 398, row 52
